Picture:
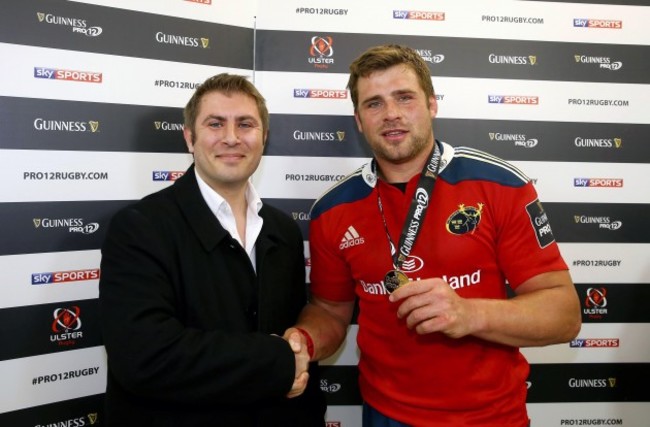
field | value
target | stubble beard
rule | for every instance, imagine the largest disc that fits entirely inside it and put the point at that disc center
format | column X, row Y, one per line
column 404, row 152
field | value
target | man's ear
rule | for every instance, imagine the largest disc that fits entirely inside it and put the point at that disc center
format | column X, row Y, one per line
column 433, row 106
column 187, row 134
column 358, row 120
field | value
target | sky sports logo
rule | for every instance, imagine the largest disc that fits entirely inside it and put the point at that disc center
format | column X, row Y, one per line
column 65, row 276
column 320, row 93
column 167, row 175
column 598, row 182
column 68, row 75
column 419, row 15
column 513, row 99
column 598, row 23
column 595, row 342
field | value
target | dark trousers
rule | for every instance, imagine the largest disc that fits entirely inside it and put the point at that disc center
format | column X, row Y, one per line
column 373, row 418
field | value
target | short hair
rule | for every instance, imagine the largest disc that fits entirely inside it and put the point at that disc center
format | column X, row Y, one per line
column 383, row 57
column 226, row 84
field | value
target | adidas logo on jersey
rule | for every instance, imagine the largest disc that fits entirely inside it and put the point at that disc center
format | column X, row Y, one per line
column 351, row 238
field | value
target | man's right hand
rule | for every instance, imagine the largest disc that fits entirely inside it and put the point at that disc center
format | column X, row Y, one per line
column 299, row 347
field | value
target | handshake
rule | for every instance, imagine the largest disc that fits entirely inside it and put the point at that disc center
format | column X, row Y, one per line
column 303, row 349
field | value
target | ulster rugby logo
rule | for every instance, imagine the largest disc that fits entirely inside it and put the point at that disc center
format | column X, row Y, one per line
column 321, row 53
column 465, row 219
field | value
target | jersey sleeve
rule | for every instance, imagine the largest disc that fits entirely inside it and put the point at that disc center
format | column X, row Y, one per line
column 330, row 275
column 526, row 246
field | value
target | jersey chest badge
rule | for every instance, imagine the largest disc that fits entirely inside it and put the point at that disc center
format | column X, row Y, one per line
column 465, row 219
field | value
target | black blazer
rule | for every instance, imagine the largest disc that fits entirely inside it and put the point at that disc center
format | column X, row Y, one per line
column 187, row 323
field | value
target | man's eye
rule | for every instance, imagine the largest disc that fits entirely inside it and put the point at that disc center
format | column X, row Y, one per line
column 245, row 125
column 215, row 124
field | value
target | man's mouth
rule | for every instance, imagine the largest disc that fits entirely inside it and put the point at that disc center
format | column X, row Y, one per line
column 393, row 132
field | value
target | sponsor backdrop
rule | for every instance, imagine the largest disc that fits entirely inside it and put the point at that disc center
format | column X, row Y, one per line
column 91, row 97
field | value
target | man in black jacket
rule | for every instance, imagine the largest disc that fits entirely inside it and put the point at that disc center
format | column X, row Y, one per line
column 199, row 283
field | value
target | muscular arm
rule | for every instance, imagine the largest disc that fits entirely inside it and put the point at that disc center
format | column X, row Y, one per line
column 546, row 310
column 326, row 322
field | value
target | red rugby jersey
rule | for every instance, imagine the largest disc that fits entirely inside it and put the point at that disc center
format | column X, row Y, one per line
column 484, row 226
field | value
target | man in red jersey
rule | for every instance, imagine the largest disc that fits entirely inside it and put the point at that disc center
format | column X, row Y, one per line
column 428, row 237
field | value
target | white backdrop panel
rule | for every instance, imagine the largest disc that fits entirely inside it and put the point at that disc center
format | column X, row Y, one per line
column 467, row 98
column 29, row 388
column 633, row 347
column 16, row 278
column 240, row 13
column 594, row 262
column 462, row 18
column 281, row 177
column 555, row 181
column 120, row 82
column 129, row 174
column 632, row 414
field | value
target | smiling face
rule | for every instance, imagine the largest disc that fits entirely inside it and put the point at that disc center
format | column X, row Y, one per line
column 227, row 140
column 395, row 115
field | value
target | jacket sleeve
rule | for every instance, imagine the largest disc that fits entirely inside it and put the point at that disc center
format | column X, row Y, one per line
column 152, row 353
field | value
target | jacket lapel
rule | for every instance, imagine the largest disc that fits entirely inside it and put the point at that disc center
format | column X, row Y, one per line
column 196, row 212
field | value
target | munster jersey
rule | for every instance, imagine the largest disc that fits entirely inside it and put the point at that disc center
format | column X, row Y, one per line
column 484, row 227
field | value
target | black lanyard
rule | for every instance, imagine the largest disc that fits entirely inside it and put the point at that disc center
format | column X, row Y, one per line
column 414, row 219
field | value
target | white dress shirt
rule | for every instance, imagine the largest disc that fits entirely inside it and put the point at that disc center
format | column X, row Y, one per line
column 221, row 209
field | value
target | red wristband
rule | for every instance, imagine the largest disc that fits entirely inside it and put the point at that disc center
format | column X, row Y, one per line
column 310, row 342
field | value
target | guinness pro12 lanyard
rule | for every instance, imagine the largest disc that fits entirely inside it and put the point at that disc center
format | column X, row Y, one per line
column 419, row 205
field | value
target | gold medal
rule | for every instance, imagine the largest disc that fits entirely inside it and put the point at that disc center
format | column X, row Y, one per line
column 394, row 279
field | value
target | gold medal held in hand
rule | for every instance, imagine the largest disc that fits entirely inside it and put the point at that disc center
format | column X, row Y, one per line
column 394, row 279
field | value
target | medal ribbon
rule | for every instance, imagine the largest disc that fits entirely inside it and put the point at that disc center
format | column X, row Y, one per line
column 417, row 210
